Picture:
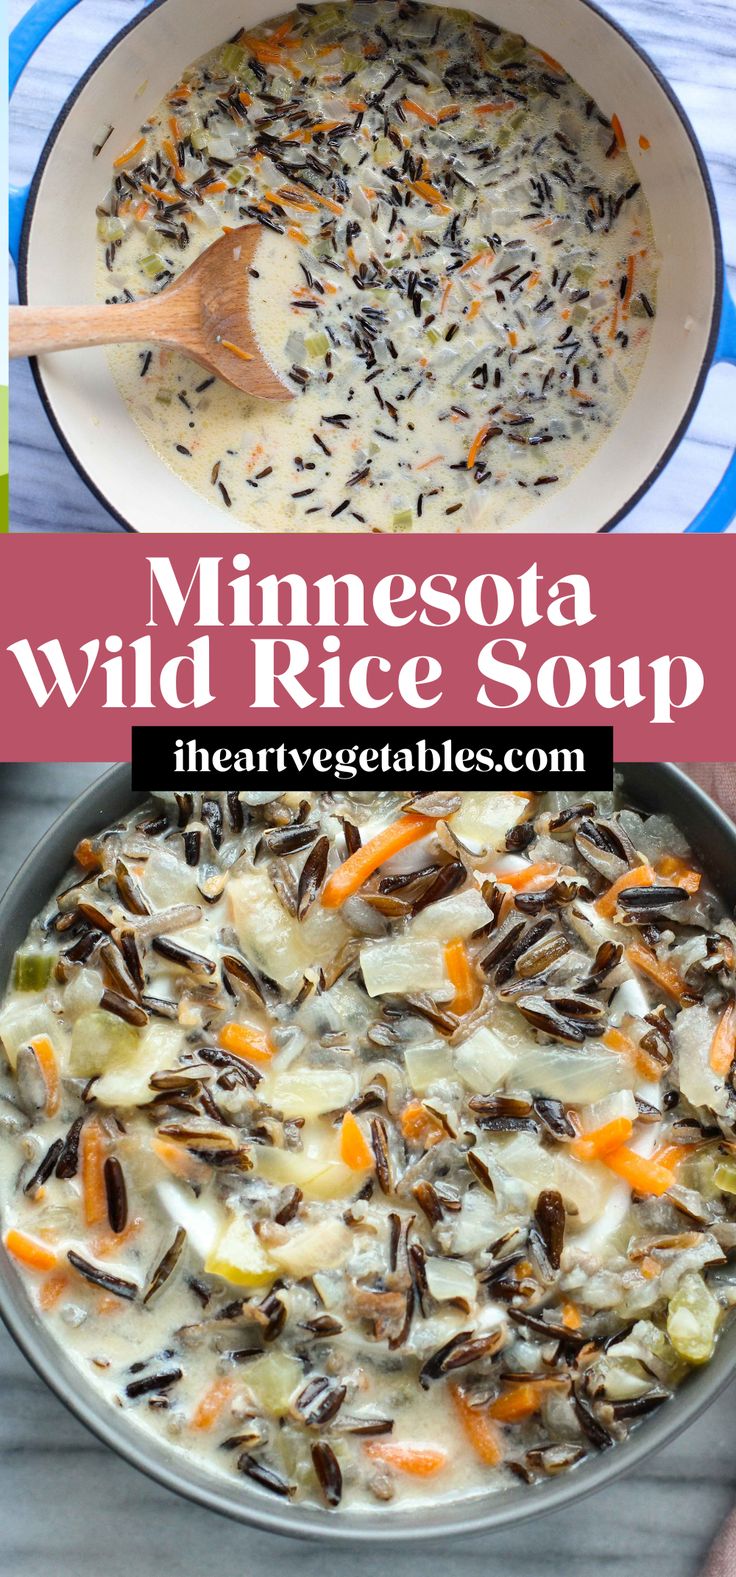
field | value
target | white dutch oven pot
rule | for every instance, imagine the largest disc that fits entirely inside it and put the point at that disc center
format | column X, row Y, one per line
column 79, row 393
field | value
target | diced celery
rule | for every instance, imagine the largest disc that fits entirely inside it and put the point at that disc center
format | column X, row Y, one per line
column 384, row 152
column 281, row 88
column 692, row 1317
column 96, row 1037
column 583, row 272
column 32, row 971
column 237, row 175
column 403, row 520
column 317, row 344
column 233, row 58
column 724, row 1177
column 273, row 1380
column 110, row 228
column 432, row 336
column 199, row 139
column 164, row 397
column 152, row 264
column 580, row 313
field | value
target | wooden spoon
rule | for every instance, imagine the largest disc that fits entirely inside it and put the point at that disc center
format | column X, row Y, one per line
column 204, row 313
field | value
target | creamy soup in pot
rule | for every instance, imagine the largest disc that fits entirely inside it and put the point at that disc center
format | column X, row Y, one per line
column 456, row 278
column 372, row 1148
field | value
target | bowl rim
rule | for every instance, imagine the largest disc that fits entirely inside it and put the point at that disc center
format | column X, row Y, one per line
column 716, row 238
column 487, row 1513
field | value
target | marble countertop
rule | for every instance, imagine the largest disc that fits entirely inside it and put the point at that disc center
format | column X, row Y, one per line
column 694, row 43
column 68, row 1505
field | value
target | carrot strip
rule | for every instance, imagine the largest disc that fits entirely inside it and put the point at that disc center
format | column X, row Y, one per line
column 162, row 197
column 571, row 1317
column 658, row 970
column 495, row 109
column 478, row 443
column 211, row 1404
column 93, row 1146
column 432, row 461
column 461, row 974
column 645, row 1065
column 429, row 193
column 46, row 1059
column 680, row 873
column 244, row 1040
column 723, row 1044
column 354, row 871
column 52, row 1289
column 618, row 132
column 354, row 1148
column 419, row 110
column 670, row 1155
column 644, row 1176
column 519, row 1401
column 600, row 1140
column 179, row 1161
column 420, row 1125
column 130, row 153
column 550, row 59
column 237, row 350
column 420, row 1461
column 35, row 1255
column 642, row 876
column 482, row 1433
column 519, row 881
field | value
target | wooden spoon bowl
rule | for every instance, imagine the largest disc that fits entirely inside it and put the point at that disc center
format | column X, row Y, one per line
column 205, row 314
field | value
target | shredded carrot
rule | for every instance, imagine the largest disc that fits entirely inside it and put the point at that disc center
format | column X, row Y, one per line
column 179, row 1161
column 449, row 109
column 521, row 881
column 518, row 1401
column 244, row 1040
column 130, row 153
column 432, row 461
column 480, row 1429
column 215, row 186
column 641, row 876
column 354, row 1148
column 420, row 1125
column 670, row 1155
column 618, row 132
column 723, row 1044
column 513, row 338
column 680, row 873
column 658, row 970
column 462, row 976
column 52, row 1289
column 176, row 169
column 600, row 1140
column 93, row 1147
column 210, row 1406
column 550, row 59
column 645, row 1065
column 429, row 193
column 109, row 1242
column 354, row 871
column 477, row 444
column 630, row 268
column 420, row 1461
column 644, row 1176
column 46, row 1059
column 571, row 1317
column 35, row 1255
column 419, row 110
column 162, row 197
column 495, row 109
column 87, row 856
column 237, row 350
column 644, row 144
column 473, row 310
column 474, row 261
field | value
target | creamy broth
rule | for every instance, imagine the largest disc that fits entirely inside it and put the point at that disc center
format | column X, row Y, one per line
column 456, row 278
column 375, row 1150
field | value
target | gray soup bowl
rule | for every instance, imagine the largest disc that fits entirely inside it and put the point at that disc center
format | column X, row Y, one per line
column 713, row 838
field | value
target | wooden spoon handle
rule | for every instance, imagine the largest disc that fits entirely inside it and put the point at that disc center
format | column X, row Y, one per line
column 35, row 330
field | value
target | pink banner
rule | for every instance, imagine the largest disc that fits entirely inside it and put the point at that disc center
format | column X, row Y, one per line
column 98, row 634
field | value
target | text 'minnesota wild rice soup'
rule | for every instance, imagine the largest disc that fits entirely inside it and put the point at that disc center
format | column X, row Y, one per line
column 456, row 277
column 376, row 1148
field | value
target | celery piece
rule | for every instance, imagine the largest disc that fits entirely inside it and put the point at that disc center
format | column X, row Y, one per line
column 403, row 520
column 583, row 272
column 579, row 313
column 97, row 1037
column 237, row 175
column 724, row 1177
column 317, row 344
column 384, row 152
column 110, row 228
column 32, row 971
column 152, row 264
column 692, row 1317
column 233, row 59
column 199, row 139
column 164, row 397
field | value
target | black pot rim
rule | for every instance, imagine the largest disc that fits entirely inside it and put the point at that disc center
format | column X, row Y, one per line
column 667, row 89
